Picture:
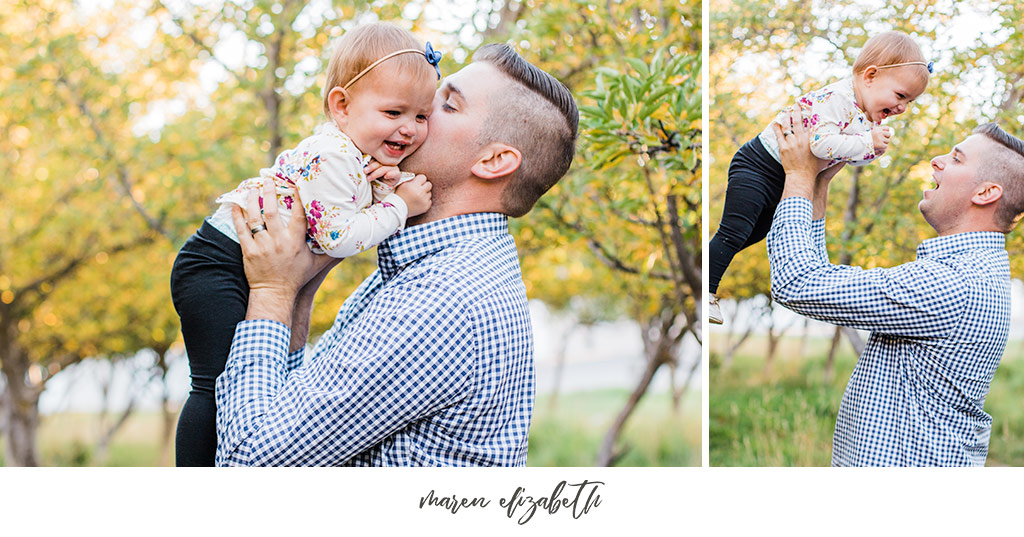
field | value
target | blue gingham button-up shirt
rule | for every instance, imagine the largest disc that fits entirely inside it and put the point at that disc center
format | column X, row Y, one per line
column 939, row 325
column 428, row 363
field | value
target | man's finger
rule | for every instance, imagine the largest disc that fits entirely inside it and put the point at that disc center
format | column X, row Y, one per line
column 298, row 222
column 778, row 132
column 797, row 120
column 269, row 201
column 242, row 227
column 253, row 211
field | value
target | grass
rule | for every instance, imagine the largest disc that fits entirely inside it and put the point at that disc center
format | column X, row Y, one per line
column 572, row 434
column 786, row 416
column 568, row 435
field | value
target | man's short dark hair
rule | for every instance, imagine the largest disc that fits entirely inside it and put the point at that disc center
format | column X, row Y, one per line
column 1005, row 166
column 537, row 116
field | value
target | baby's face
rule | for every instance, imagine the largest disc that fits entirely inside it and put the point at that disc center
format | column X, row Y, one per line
column 891, row 91
column 387, row 117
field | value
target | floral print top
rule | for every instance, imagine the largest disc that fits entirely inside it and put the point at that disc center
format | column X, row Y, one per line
column 840, row 132
column 345, row 213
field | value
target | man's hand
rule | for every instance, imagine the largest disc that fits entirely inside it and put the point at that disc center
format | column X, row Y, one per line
column 277, row 261
column 795, row 153
column 880, row 137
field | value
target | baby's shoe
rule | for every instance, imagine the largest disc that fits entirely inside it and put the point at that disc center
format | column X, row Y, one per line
column 714, row 312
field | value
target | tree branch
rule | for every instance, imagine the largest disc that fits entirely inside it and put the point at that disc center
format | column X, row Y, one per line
column 603, row 254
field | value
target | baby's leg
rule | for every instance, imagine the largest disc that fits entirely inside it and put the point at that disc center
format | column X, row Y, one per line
column 210, row 293
column 755, row 187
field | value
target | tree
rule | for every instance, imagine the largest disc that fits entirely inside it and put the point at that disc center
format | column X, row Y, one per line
column 100, row 113
column 72, row 203
column 764, row 54
column 631, row 202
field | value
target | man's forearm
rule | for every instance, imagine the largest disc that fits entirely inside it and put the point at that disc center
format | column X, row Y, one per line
column 270, row 303
column 301, row 315
column 302, row 310
column 820, row 199
column 799, row 184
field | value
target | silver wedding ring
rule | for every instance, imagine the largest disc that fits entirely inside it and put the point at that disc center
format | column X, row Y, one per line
column 787, row 133
column 257, row 229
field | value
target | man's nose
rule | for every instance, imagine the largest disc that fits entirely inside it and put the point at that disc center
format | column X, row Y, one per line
column 937, row 163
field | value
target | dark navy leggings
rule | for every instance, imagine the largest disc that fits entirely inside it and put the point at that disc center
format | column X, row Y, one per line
column 755, row 188
column 210, row 293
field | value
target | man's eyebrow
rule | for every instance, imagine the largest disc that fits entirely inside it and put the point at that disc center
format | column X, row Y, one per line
column 453, row 89
column 956, row 149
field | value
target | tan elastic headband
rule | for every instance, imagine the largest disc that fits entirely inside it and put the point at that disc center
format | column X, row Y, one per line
column 375, row 64
column 929, row 65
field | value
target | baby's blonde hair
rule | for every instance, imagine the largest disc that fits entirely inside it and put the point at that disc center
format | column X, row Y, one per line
column 365, row 44
column 891, row 48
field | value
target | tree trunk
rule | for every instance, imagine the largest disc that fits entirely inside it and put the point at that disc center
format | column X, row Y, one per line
column 679, row 395
column 773, row 344
column 103, row 445
column 22, row 412
column 560, row 366
column 167, row 413
column 830, row 361
column 804, row 336
column 730, row 351
column 607, row 456
column 659, row 351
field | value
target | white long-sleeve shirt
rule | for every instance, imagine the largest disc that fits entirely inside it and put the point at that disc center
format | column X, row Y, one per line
column 345, row 213
column 839, row 130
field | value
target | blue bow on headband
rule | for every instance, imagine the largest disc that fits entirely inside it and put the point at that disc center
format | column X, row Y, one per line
column 931, row 66
column 434, row 58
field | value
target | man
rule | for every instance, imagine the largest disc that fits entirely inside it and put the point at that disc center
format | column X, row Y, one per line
column 430, row 361
column 938, row 324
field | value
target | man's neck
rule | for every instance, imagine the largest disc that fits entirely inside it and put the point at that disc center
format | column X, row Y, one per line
column 969, row 226
column 448, row 206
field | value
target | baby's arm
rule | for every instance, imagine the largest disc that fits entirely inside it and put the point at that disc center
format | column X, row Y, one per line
column 827, row 142
column 384, row 180
column 340, row 222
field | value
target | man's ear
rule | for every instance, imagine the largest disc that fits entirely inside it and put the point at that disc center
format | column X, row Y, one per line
column 987, row 193
column 338, row 100
column 497, row 161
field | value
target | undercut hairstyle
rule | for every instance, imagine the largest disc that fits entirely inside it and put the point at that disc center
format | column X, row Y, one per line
column 367, row 43
column 536, row 115
column 891, row 48
column 1005, row 167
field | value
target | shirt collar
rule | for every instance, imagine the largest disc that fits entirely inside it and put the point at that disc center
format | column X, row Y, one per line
column 939, row 247
column 416, row 242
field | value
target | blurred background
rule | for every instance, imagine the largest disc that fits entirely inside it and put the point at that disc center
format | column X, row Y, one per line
column 121, row 121
column 776, row 379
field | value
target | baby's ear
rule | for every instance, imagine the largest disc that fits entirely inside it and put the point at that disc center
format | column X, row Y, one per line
column 868, row 75
column 338, row 100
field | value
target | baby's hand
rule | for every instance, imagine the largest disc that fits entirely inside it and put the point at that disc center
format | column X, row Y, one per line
column 376, row 171
column 880, row 136
column 416, row 194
